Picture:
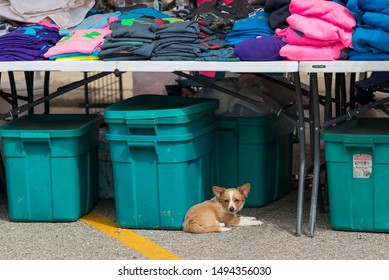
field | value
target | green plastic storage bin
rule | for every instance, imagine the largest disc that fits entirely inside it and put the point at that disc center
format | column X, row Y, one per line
column 160, row 115
column 357, row 156
column 162, row 151
column 158, row 178
column 51, row 166
column 258, row 151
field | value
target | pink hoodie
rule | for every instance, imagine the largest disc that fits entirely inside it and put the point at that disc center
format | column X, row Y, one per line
column 326, row 10
column 317, row 29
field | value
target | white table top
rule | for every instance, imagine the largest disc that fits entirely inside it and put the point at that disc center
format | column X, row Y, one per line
column 152, row 66
column 170, row 66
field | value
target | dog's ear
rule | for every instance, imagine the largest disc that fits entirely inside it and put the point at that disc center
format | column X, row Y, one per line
column 218, row 191
column 244, row 189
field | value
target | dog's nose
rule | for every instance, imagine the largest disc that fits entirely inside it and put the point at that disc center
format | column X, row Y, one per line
column 232, row 209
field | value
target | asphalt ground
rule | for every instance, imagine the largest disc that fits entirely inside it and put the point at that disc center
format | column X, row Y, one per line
column 96, row 236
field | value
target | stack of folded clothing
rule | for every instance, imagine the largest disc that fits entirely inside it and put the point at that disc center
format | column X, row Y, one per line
column 28, row 43
column 248, row 28
column 178, row 41
column 318, row 30
column 157, row 39
column 131, row 39
column 371, row 35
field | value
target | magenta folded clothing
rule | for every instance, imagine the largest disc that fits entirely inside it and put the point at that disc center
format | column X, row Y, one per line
column 311, row 53
column 325, row 10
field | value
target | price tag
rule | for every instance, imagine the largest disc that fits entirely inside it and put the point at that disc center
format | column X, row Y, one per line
column 362, row 166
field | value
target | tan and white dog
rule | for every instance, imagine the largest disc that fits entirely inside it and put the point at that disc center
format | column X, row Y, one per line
column 220, row 213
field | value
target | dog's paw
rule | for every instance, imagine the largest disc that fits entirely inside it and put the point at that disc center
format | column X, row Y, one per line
column 257, row 223
column 224, row 229
column 249, row 218
column 249, row 221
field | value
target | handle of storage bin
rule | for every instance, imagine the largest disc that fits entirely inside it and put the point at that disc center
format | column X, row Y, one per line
column 39, row 138
column 141, row 144
column 140, row 119
column 141, row 122
column 359, row 143
column 33, row 137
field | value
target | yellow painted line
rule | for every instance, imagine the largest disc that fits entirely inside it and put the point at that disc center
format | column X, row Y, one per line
column 129, row 238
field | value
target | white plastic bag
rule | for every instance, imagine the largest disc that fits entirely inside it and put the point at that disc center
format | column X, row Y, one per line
column 152, row 82
column 235, row 107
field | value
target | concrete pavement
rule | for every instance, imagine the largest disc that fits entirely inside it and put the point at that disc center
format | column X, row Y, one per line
column 274, row 240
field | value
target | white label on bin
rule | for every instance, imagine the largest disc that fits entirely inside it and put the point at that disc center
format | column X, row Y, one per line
column 362, row 166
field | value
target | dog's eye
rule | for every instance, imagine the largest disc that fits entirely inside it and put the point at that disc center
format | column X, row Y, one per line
column 226, row 200
column 237, row 200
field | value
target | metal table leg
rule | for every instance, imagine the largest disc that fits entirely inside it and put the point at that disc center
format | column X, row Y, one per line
column 315, row 150
column 29, row 77
column 301, row 132
column 46, row 91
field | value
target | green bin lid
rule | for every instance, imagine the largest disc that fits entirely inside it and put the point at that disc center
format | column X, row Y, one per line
column 52, row 125
column 158, row 107
column 373, row 128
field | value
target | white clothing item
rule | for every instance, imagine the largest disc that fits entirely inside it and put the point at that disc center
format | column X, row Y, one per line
column 73, row 17
column 7, row 14
column 65, row 17
column 35, row 8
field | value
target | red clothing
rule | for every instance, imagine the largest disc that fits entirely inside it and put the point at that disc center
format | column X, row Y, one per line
column 227, row 2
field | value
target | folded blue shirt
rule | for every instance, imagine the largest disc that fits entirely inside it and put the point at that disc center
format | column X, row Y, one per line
column 249, row 28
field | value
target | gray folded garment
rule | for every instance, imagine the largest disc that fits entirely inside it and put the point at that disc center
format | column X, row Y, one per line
column 137, row 28
column 178, row 52
column 131, row 49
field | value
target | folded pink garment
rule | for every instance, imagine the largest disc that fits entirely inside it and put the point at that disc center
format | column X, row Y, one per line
column 314, row 28
column 291, row 36
column 311, row 53
column 48, row 22
column 326, row 10
column 80, row 41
